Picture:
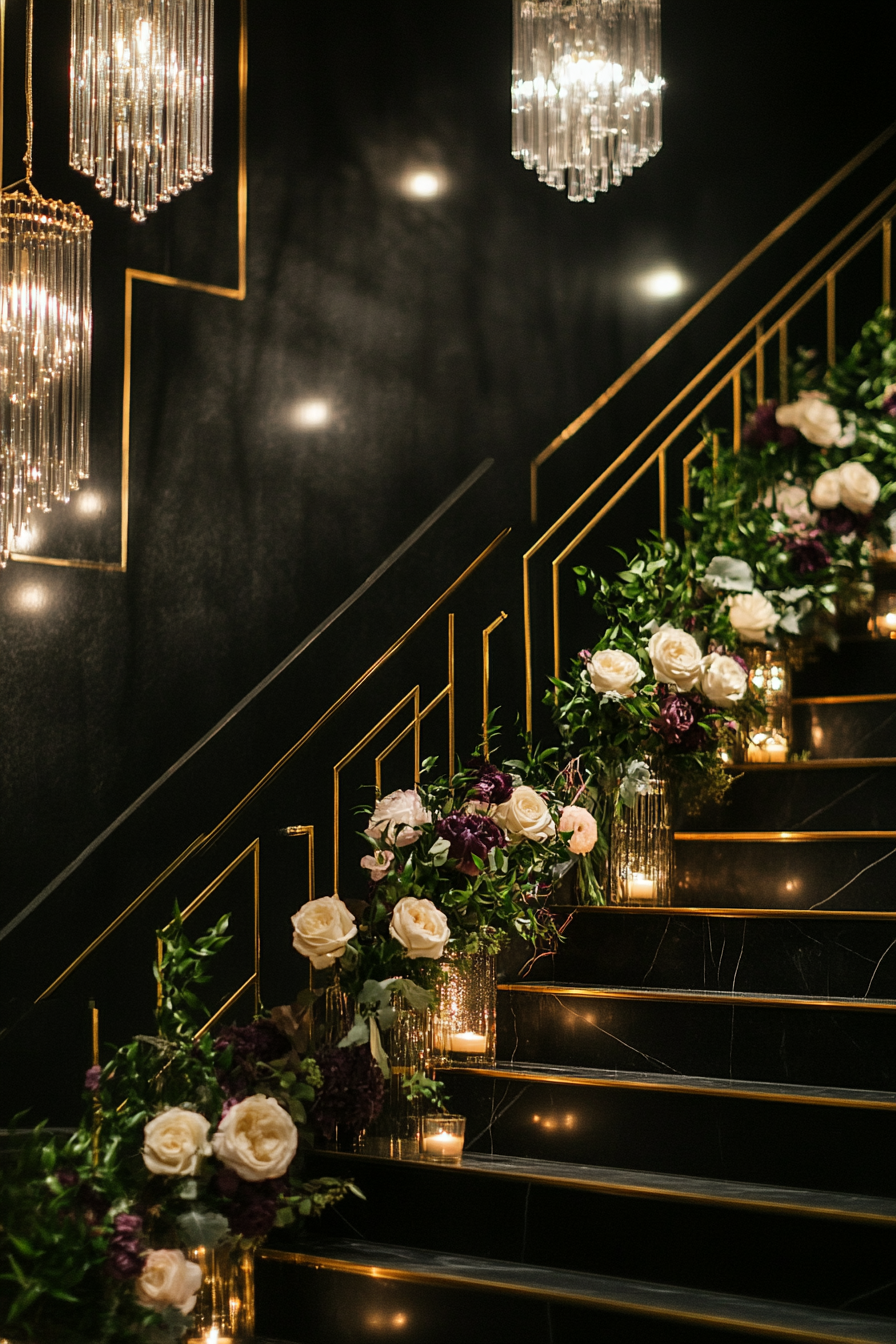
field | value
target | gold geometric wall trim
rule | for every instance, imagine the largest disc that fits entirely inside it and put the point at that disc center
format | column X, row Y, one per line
column 156, row 278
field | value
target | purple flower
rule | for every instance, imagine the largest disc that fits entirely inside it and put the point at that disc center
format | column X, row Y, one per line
column 491, row 786
column 841, row 521
column 470, row 835
column 259, row 1041
column 254, row 1207
column 124, row 1257
column 677, row 722
column 761, row 428
column 807, row 552
column 351, row 1095
column 92, row 1078
column 585, row 655
column 888, row 406
column 227, row 1182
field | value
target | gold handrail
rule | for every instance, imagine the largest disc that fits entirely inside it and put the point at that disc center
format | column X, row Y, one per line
column 696, row 308
column 763, row 337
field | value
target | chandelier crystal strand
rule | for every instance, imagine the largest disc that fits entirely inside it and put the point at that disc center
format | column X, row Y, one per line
column 586, row 95
column 141, row 87
column 45, row 346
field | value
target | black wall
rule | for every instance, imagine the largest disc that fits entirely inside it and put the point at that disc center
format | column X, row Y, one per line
column 443, row 333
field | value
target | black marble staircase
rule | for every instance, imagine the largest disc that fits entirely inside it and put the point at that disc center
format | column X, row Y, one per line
column 691, row 1130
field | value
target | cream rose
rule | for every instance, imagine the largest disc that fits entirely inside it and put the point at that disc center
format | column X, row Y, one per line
column 814, row 417
column 675, row 656
column 174, row 1141
column 256, row 1139
column 752, row 615
column 420, row 927
column 169, row 1279
column 613, row 670
column 397, row 818
column 321, row 930
column 859, row 488
column 826, row 490
column 525, row 816
column 583, row 826
column 722, row 680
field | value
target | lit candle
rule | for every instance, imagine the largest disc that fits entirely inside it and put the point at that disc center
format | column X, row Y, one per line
column 640, row 889
column 776, row 747
column 757, row 748
column 443, row 1144
column 467, row 1043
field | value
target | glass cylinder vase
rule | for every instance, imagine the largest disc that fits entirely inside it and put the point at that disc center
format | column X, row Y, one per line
column 225, row 1305
column 770, row 673
column 466, row 1011
column 642, row 865
column 408, row 1047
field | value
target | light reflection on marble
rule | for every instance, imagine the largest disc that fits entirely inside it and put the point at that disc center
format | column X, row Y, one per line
column 597, row 1290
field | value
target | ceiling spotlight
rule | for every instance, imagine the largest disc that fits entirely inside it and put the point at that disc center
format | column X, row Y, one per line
column 423, row 184
column 662, row 283
column 312, row 414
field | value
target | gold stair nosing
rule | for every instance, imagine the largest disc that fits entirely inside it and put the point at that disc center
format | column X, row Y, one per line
column 783, row 837
column 729, row 912
column 819, row 763
column 720, row 997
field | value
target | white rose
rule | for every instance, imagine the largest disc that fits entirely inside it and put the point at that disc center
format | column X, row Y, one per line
column 613, row 670
column 675, row 656
column 722, row 680
column 174, row 1142
column 826, row 490
column 752, row 615
column 792, row 501
column 814, row 417
column 256, row 1139
column 859, row 488
column 321, row 930
column 169, row 1279
column 398, row 818
column 420, row 927
column 525, row 816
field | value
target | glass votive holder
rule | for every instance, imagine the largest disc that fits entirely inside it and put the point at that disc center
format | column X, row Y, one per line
column 442, row 1138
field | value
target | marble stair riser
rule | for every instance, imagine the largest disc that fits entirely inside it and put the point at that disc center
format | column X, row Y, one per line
column 852, row 798
column 818, row 1147
column 841, row 731
column 776, row 1044
column 300, row 1304
column 841, row 957
column 649, row 1238
column 859, row 667
column 798, row 875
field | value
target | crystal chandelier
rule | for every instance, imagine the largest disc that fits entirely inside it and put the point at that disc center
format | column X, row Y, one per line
column 141, row 97
column 587, row 92
column 45, row 337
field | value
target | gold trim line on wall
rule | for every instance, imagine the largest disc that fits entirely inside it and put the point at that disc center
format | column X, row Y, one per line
column 172, row 282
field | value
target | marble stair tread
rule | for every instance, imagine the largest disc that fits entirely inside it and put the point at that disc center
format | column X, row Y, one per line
column 681, row 1082
column 818, row 763
column 711, row 996
column 658, row 1185
column 695, row 1305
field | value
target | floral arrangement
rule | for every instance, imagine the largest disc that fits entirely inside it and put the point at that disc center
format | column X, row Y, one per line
column 190, row 1140
column 663, row 692
column 808, row 500
column 455, row 866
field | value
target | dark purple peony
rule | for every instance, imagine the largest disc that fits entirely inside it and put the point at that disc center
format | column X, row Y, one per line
column 841, row 521
column 259, row 1041
column 808, row 553
column 491, row 785
column 677, row 721
column 124, row 1257
column 253, row 1208
column 761, row 428
column 351, row 1095
column 469, row 835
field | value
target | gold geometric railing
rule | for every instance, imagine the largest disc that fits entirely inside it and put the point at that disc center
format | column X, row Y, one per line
column 761, row 333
